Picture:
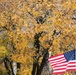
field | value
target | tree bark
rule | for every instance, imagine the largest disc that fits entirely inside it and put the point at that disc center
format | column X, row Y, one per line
column 44, row 61
column 34, row 68
column 8, row 66
column 14, row 67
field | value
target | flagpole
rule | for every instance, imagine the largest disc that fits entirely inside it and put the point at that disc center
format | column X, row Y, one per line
column 75, row 53
column 50, row 68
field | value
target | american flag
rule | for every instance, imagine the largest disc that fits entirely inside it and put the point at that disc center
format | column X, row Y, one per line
column 63, row 62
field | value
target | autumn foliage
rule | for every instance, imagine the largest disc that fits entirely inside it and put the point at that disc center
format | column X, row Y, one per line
column 30, row 29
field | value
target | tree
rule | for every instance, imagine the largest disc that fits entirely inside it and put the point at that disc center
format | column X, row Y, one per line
column 30, row 29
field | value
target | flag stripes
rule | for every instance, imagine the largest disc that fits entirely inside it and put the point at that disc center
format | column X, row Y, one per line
column 63, row 62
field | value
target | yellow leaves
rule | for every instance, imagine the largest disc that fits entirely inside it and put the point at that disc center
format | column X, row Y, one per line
column 69, row 73
column 3, row 20
column 1, row 1
column 25, row 59
column 56, row 44
column 36, row 13
column 26, row 71
column 44, row 27
column 3, row 52
column 40, row 60
column 65, row 4
column 22, row 38
column 17, row 58
column 15, row 18
column 73, row 4
column 25, row 23
column 21, row 21
column 45, row 39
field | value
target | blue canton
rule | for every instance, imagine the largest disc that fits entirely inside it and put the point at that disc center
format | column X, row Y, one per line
column 70, row 55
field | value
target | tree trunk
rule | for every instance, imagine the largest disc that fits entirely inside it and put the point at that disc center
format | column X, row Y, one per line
column 42, row 64
column 8, row 66
column 14, row 68
column 34, row 68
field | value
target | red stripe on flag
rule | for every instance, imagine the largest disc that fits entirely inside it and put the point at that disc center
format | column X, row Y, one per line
column 56, row 56
column 60, row 65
